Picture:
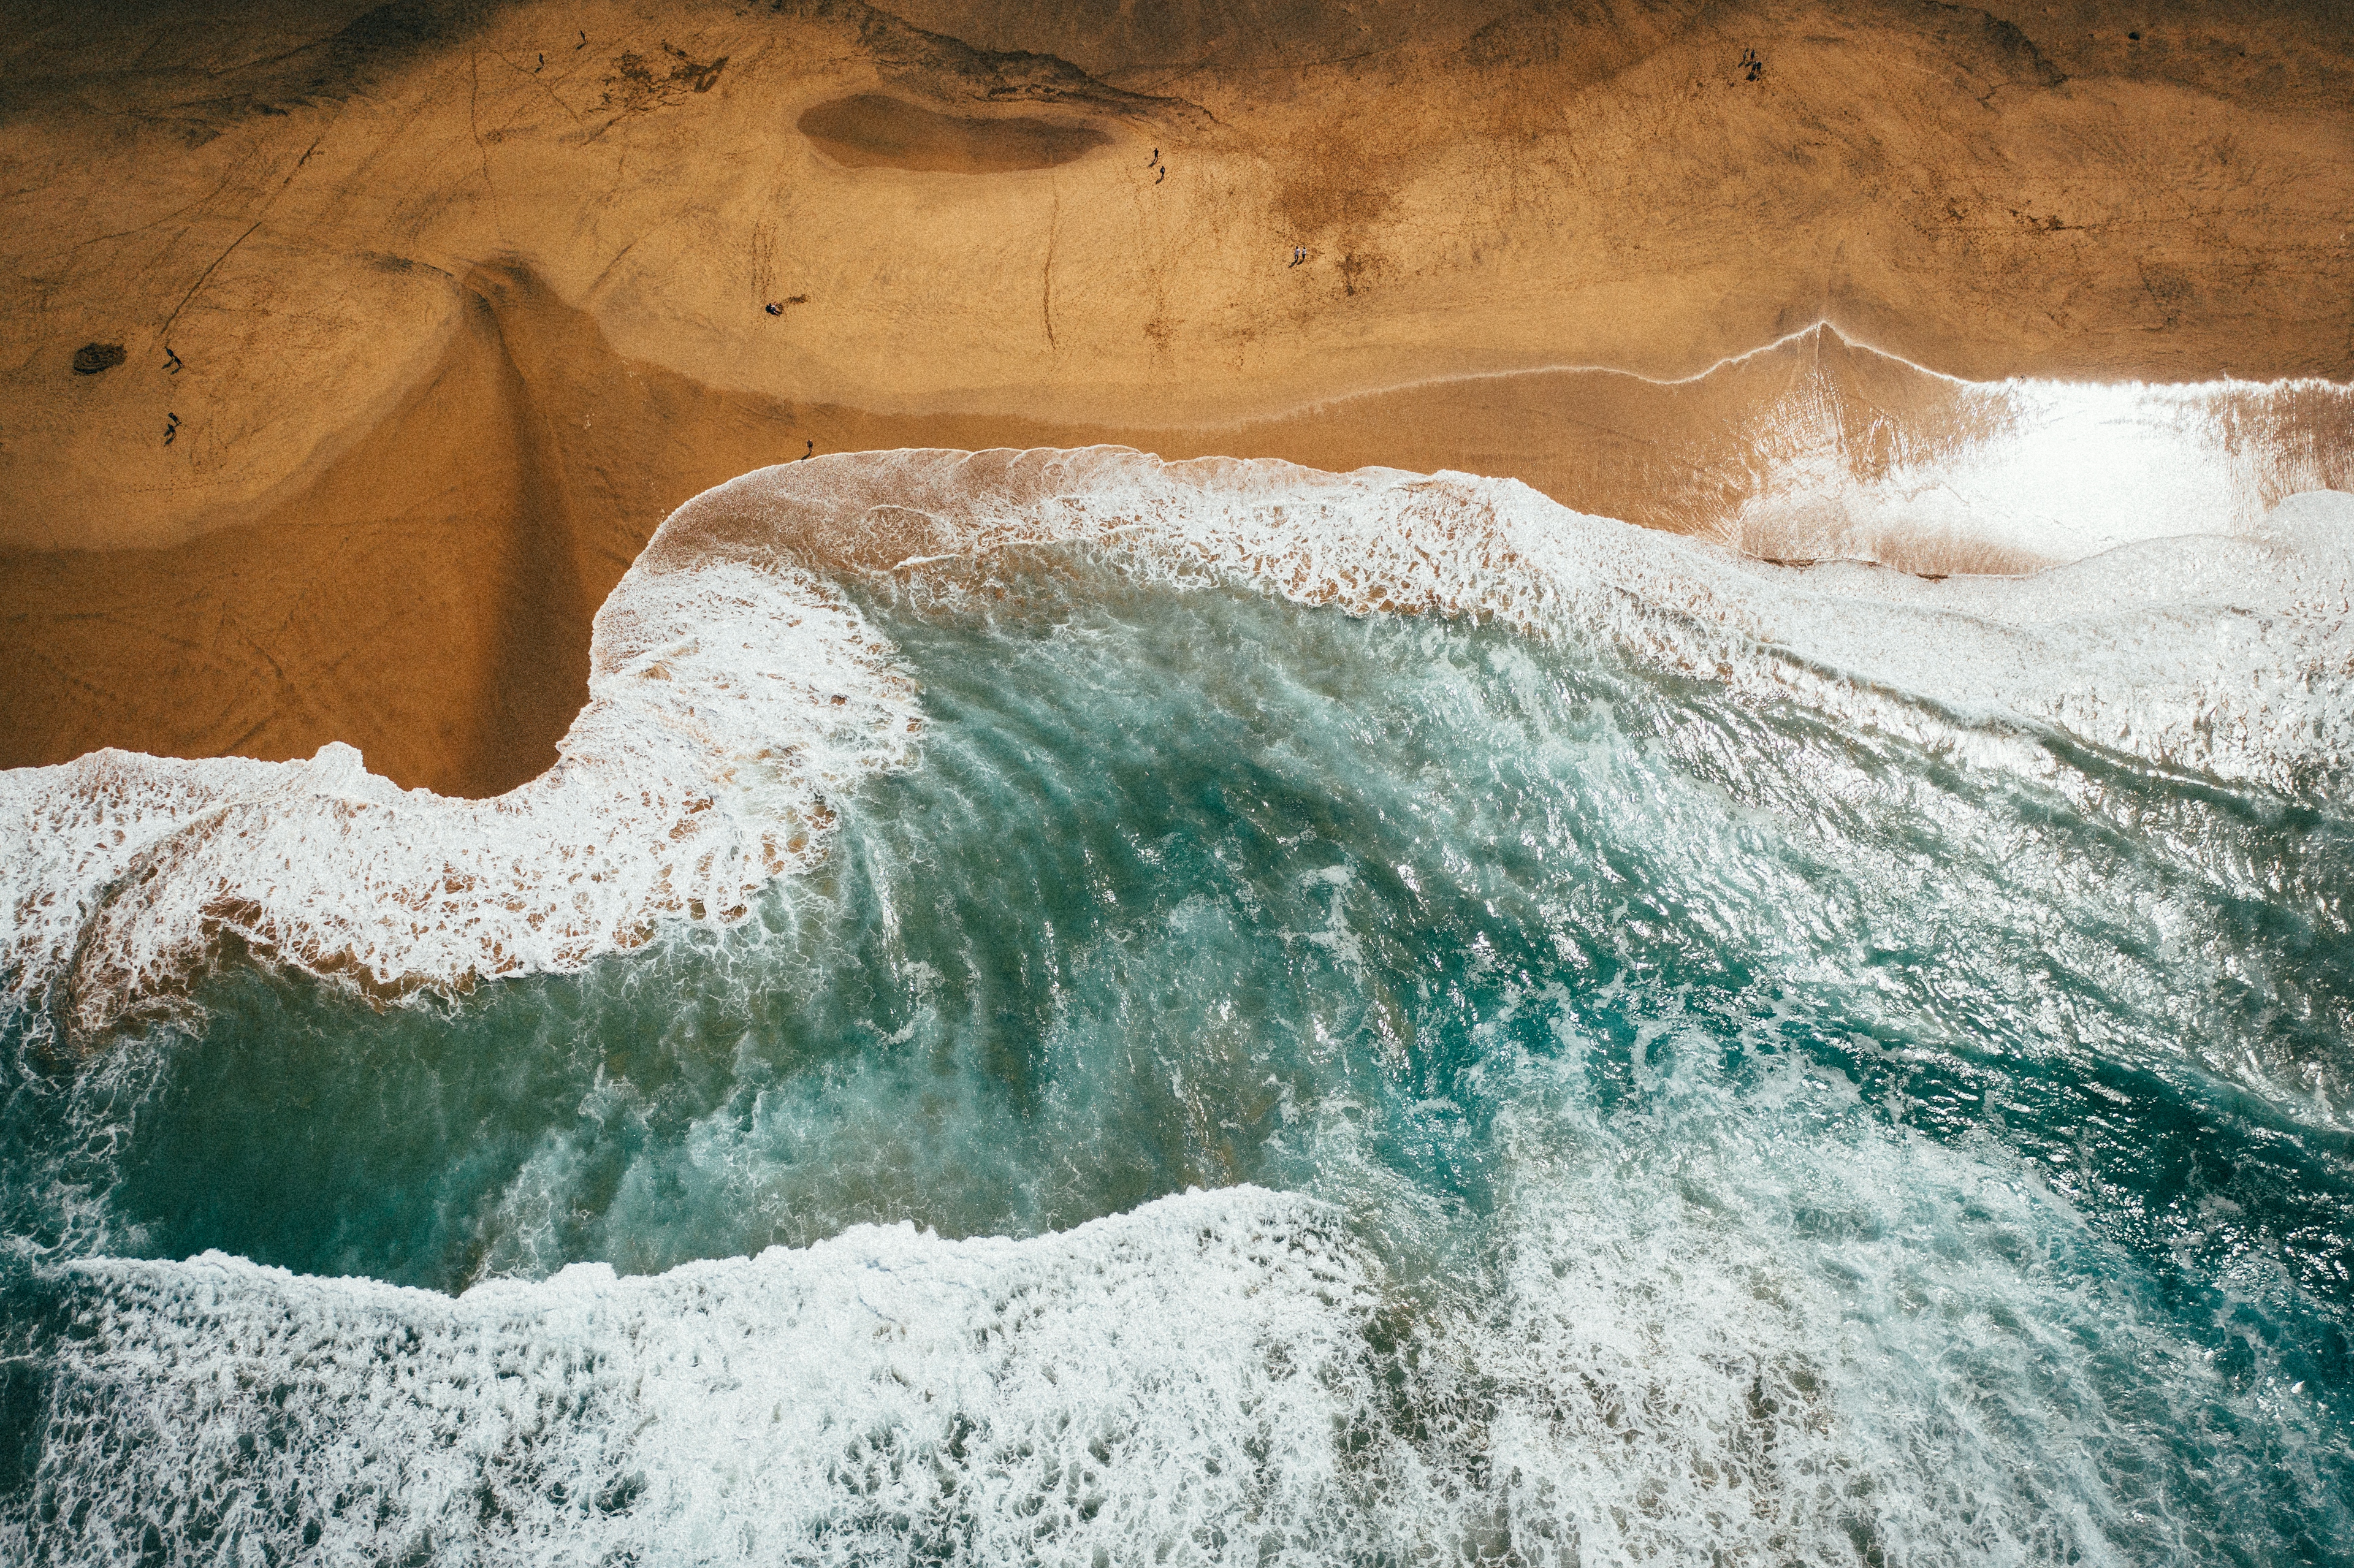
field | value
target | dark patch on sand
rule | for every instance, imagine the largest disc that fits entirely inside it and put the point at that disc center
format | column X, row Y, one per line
column 934, row 65
column 194, row 69
column 2009, row 53
column 92, row 357
column 636, row 87
column 870, row 130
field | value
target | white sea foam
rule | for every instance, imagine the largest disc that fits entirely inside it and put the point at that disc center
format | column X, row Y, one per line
column 1702, row 1341
column 1143, row 1381
column 732, row 688
column 724, row 703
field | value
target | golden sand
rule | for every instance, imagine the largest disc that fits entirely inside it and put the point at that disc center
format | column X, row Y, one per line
column 428, row 315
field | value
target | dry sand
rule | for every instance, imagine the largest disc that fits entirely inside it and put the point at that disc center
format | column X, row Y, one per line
column 466, row 298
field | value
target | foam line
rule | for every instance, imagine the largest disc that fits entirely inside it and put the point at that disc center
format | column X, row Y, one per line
column 881, row 1392
column 732, row 689
column 1874, row 1345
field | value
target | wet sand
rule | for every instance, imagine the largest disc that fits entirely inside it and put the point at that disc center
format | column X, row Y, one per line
column 876, row 130
column 442, row 314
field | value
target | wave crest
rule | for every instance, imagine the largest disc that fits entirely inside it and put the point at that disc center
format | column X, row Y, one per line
column 732, row 688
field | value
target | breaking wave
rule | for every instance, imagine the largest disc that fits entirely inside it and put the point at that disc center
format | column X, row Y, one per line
column 1216, row 1377
column 1063, row 1008
column 733, row 686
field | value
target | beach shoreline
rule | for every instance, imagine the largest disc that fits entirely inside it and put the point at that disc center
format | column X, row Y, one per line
column 418, row 335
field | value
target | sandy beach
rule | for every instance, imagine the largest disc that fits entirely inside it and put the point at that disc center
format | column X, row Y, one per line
column 427, row 323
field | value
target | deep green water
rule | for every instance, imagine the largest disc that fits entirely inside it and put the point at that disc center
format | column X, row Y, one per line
column 1764, row 1140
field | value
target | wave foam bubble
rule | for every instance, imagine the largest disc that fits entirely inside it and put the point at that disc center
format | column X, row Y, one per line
column 1783, row 1351
column 733, row 687
column 884, row 1391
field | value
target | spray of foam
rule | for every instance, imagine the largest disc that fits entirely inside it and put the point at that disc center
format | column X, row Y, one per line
column 1755, row 1358
column 732, row 689
column 881, row 1395
column 724, row 704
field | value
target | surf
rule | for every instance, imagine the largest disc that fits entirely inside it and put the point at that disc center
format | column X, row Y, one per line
column 731, row 688
column 1063, row 1006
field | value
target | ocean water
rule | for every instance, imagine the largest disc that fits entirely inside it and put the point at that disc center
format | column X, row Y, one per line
column 1100, row 1012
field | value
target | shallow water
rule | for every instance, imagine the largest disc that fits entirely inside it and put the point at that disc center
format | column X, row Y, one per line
column 1634, row 1117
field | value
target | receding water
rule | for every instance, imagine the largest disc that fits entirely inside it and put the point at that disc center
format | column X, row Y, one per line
column 1636, row 1121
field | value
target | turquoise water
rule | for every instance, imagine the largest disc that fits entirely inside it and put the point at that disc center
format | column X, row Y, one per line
column 1726, row 1134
